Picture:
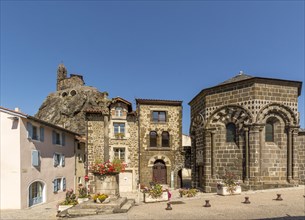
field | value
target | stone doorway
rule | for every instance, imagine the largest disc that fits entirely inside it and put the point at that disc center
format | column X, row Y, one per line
column 159, row 172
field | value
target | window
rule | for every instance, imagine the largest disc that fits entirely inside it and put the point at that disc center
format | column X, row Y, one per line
column 80, row 158
column 34, row 133
column 231, row 132
column 35, row 193
column 118, row 111
column 59, row 184
column 159, row 116
column 153, row 139
column 269, row 132
column 119, row 130
column 165, row 139
column 58, row 160
column 119, row 153
column 79, row 181
column 35, row 158
column 58, row 139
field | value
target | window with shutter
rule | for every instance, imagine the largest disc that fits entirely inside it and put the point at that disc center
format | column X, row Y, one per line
column 63, row 139
column 55, row 189
column 64, row 184
column 30, row 130
column 62, row 160
column 35, row 158
column 42, row 134
column 56, row 159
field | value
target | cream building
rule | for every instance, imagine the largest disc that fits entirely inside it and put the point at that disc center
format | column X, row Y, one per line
column 37, row 160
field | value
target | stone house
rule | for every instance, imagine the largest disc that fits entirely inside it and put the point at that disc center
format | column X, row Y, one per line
column 160, row 141
column 147, row 140
column 249, row 126
column 37, row 160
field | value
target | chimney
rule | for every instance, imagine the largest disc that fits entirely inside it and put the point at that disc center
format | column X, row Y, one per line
column 17, row 109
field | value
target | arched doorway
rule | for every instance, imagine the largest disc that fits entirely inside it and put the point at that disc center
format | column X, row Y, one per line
column 36, row 193
column 159, row 172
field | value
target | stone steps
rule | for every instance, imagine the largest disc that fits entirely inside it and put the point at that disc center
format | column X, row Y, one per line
column 119, row 205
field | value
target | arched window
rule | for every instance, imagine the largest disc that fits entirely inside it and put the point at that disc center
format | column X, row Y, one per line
column 231, row 132
column 269, row 131
column 165, row 139
column 35, row 193
column 153, row 139
column 118, row 111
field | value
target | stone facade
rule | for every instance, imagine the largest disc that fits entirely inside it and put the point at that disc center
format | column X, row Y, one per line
column 301, row 155
column 246, row 104
column 171, row 155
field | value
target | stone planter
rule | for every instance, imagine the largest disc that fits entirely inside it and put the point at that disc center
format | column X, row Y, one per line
column 81, row 200
column 107, row 184
column 223, row 190
column 148, row 198
column 63, row 207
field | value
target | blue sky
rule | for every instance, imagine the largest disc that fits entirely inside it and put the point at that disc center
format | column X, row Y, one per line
column 147, row 49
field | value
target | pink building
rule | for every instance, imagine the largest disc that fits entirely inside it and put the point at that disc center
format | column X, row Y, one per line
column 37, row 160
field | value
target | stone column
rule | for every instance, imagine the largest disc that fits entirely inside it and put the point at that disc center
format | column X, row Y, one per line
column 295, row 150
column 289, row 154
column 254, row 146
column 247, row 153
column 213, row 154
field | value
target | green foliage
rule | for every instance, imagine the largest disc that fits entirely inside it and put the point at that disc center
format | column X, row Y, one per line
column 70, row 198
column 82, row 191
column 100, row 197
column 188, row 192
column 155, row 191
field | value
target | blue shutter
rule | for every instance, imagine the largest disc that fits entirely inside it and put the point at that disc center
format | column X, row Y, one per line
column 64, row 184
column 30, row 130
column 35, row 158
column 55, row 160
column 53, row 137
column 62, row 160
column 42, row 134
column 55, row 189
column 63, row 139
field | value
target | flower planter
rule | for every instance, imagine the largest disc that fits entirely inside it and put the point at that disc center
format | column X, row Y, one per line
column 63, row 207
column 107, row 184
column 224, row 191
column 81, row 200
column 148, row 198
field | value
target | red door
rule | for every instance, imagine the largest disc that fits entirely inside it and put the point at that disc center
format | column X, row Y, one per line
column 159, row 172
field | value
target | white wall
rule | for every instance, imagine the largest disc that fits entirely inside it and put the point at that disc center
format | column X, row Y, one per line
column 10, row 162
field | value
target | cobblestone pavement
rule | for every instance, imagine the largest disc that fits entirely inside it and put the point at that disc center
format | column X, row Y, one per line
column 263, row 206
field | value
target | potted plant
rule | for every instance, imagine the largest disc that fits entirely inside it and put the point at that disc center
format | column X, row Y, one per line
column 100, row 198
column 188, row 192
column 82, row 194
column 70, row 200
column 229, row 185
column 119, row 135
column 155, row 193
column 106, row 176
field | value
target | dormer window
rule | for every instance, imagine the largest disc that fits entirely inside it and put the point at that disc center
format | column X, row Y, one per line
column 119, row 111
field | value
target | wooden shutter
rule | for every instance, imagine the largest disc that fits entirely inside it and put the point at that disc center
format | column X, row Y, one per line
column 64, row 184
column 41, row 134
column 62, row 160
column 30, row 130
column 55, row 189
column 35, row 158
column 63, row 139
column 53, row 137
column 55, row 160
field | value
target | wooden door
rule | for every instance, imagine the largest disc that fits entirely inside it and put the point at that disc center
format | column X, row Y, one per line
column 159, row 172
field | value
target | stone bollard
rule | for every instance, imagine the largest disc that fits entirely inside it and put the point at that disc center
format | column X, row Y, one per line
column 169, row 207
column 279, row 198
column 247, row 201
column 207, row 203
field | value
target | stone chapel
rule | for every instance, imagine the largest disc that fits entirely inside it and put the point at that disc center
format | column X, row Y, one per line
column 249, row 126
